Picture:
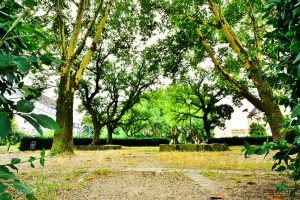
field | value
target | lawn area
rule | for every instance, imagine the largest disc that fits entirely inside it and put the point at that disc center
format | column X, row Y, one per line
column 227, row 160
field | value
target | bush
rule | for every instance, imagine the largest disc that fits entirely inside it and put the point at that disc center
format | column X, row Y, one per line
column 238, row 141
column 257, row 130
column 13, row 138
column 47, row 142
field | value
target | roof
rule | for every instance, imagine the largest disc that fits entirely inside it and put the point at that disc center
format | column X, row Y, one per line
column 47, row 101
column 253, row 112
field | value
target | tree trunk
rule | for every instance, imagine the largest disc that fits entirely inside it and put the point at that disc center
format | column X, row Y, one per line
column 109, row 134
column 63, row 139
column 270, row 108
column 206, row 126
column 97, row 130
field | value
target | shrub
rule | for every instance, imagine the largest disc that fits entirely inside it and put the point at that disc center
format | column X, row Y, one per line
column 12, row 138
column 47, row 142
column 257, row 130
column 238, row 141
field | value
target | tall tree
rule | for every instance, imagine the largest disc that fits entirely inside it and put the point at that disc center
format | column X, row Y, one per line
column 212, row 23
column 116, row 90
column 204, row 94
column 75, row 56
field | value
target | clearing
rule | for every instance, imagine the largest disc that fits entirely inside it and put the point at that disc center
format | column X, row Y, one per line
column 145, row 173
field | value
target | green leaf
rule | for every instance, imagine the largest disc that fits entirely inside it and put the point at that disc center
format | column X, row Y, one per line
column 31, row 159
column 15, row 161
column 282, row 187
column 2, row 187
column 32, row 30
column 33, row 123
column 31, row 164
column 13, row 167
column 25, row 106
column 280, row 168
column 5, row 174
column 42, row 161
column 295, row 46
column 43, row 153
column 5, row 125
column 46, row 121
column 30, row 197
column 296, row 111
column 22, row 63
column 297, row 58
column 5, row 196
column 22, row 187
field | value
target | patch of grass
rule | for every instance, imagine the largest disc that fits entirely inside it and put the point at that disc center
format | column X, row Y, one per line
column 13, row 148
column 74, row 174
column 237, row 178
column 48, row 189
column 227, row 160
column 97, row 173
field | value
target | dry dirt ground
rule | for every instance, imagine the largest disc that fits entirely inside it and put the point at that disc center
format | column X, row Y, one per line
column 131, row 173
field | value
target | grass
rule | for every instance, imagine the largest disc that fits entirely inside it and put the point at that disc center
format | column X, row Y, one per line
column 227, row 160
column 13, row 148
column 237, row 178
column 97, row 173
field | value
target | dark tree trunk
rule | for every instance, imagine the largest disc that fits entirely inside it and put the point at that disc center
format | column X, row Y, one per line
column 206, row 125
column 63, row 139
column 97, row 130
column 110, row 130
column 97, row 126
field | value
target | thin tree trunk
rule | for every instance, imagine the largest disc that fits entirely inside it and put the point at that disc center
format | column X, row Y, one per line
column 206, row 127
column 63, row 139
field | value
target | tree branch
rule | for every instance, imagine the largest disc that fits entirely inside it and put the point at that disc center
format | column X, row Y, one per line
column 76, row 30
column 13, row 26
column 88, row 55
column 61, row 28
column 255, row 27
column 86, row 34
column 236, row 86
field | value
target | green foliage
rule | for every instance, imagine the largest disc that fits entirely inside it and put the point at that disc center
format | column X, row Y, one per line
column 257, row 130
column 239, row 141
column 46, row 143
column 17, row 59
column 9, row 181
column 284, row 49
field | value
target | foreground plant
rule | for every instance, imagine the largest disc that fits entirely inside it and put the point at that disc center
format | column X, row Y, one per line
column 9, row 180
column 287, row 157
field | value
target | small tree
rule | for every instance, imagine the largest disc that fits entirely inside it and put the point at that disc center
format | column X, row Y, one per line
column 257, row 130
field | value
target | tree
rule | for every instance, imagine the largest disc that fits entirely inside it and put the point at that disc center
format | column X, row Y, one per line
column 118, row 86
column 148, row 117
column 75, row 57
column 257, row 130
column 216, row 30
column 283, row 41
column 200, row 96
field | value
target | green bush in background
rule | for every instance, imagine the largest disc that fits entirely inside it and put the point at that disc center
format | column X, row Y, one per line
column 257, row 130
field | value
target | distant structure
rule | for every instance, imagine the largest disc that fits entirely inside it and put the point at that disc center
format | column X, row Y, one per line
column 44, row 105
